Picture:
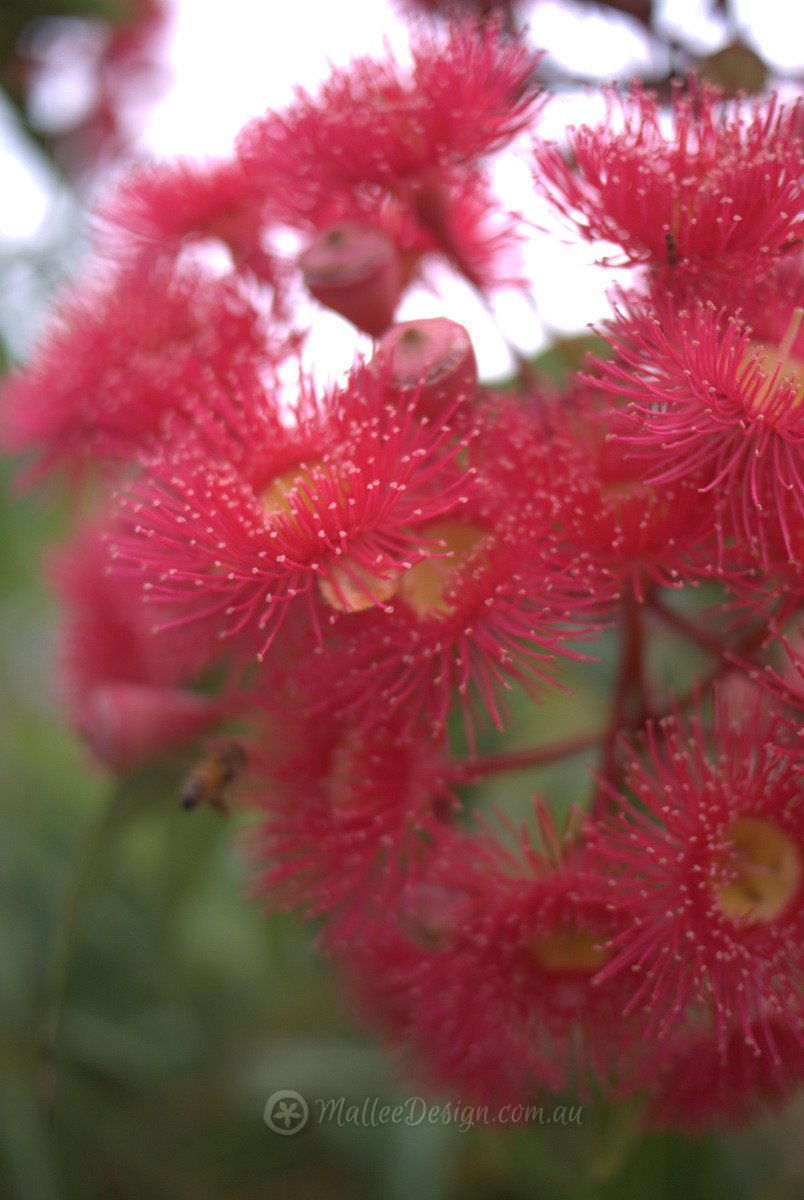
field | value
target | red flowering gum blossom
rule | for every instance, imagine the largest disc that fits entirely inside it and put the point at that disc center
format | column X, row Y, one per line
column 381, row 141
column 695, row 1084
column 228, row 530
column 458, row 215
column 637, row 533
column 707, row 876
column 481, row 607
column 125, row 687
column 718, row 403
column 432, row 358
column 486, row 977
column 465, row 97
column 721, row 189
column 492, row 596
column 351, row 818
column 123, row 357
column 157, row 209
column 355, row 271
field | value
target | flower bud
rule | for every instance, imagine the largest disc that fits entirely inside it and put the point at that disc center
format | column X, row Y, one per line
column 354, row 270
column 435, row 356
column 128, row 723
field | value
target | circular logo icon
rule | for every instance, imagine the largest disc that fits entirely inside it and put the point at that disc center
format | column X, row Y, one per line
column 286, row 1112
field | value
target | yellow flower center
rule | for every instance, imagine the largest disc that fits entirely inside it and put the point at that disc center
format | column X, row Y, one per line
column 348, row 586
column 774, row 366
column 765, row 871
column 290, row 491
column 423, row 587
column 351, row 587
column 572, row 952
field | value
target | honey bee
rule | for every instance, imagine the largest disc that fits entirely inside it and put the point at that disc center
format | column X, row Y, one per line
column 209, row 779
column 670, row 247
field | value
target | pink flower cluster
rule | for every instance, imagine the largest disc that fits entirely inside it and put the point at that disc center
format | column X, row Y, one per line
column 357, row 579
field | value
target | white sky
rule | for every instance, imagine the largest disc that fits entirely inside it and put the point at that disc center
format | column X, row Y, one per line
column 228, row 70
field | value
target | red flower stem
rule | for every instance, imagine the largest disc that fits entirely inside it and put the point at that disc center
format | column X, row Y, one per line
column 759, row 673
column 473, row 769
column 630, row 683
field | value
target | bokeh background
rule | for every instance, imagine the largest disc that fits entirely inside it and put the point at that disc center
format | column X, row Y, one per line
column 148, row 1009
